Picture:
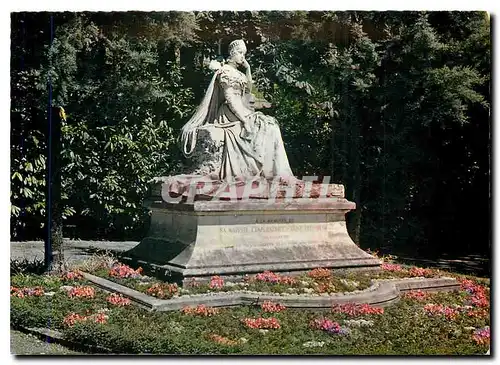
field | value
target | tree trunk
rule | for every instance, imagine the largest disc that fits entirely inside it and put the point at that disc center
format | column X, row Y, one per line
column 54, row 250
column 355, row 221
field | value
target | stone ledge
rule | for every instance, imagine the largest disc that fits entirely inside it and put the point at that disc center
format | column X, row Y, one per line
column 297, row 204
column 381, row 293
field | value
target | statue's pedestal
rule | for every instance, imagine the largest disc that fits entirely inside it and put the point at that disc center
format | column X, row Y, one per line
column 235, row 238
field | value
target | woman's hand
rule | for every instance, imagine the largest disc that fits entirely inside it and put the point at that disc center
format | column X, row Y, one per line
column 245, row 64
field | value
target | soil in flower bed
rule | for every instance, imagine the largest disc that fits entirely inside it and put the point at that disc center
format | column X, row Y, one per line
column 421, row 323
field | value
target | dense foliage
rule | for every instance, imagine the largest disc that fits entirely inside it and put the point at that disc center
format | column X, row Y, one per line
column 394, row 105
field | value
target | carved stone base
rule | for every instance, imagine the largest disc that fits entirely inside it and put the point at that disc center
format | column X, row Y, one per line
column 231, row 238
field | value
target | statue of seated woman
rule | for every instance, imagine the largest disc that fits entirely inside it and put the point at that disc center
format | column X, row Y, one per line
column 231, row 144
column 237, row 142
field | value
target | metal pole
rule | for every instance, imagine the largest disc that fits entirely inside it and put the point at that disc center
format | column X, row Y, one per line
column 48, row 204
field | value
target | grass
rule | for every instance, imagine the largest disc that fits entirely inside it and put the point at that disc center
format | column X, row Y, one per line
column 405, row 328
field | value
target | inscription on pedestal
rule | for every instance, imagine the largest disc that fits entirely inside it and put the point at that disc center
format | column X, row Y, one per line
column 265, row 231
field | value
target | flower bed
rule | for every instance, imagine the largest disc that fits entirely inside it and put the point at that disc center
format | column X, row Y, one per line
column 317, row 281
column 438, row 323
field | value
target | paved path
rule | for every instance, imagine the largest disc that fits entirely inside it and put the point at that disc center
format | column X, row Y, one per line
column 25, row 344
column 470, row 264
column 74, row 250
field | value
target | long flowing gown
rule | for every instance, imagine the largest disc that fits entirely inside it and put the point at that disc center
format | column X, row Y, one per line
column 236, row 159
column 242, row 159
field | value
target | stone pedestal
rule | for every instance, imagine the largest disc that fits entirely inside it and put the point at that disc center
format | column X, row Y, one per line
column 234, row 238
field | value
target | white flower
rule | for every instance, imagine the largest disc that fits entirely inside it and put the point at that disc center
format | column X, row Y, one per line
column 349, row 283
column 313, row 344
column 214, row 65
column 358, row 323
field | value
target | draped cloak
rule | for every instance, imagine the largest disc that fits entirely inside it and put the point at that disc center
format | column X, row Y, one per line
column 242, row 159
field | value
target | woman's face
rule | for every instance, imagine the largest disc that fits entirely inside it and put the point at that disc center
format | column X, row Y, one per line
column 238, row 56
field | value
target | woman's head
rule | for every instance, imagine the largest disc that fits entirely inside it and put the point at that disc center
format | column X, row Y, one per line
column 237, row 51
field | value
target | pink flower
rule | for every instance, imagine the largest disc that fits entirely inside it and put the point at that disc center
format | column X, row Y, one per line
column 118, row 300
column 353, row 309
column 416, row 294
column 271, row 307
column 391, row 267
column 482, row 336
column 222, row 340
column 124, row 271
column 81, row 292
column 478, row 294
column 320, row 273
column 72, row 275
column 439, row 309
column 200, row 310
column 28, row 292
column 418, row 271
column 216, row 282
column 162, row 290
column 73, row 318
column 100, row 318
column 270, row 277
column 467, row 285
column 478, row 313
column 329, row 326
column 263, row 323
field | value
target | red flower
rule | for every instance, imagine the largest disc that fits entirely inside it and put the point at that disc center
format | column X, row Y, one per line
column 72, row 275
column 162, row 290
column 118, row 300
column 124, row 271
column 482, row 336
column 416, row 294
column 353, row 309
column 287, row 280
column 439, row 309
column 222, row 340
column 478, row 313
column 263, row 323
column 28, row 292
column 320, row 273
column 418, row 271
column 200, row 310
column 391, row 267
column 270, row 277
column 81, row 292
column 478, row 294
column 73, row 318
column 271, row 307
column 100, row 318
column 216, row 282
column 325, row 287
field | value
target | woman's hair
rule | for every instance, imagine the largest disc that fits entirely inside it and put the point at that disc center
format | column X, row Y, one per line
column 236, row 45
